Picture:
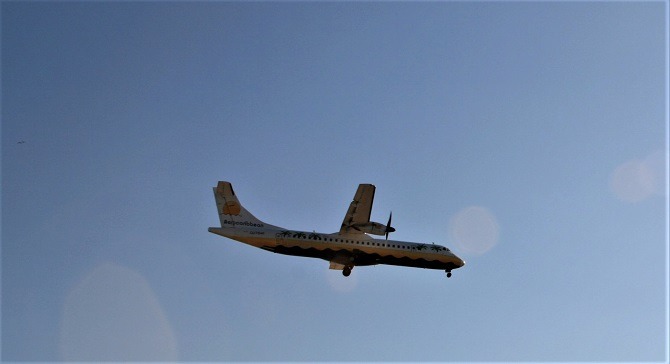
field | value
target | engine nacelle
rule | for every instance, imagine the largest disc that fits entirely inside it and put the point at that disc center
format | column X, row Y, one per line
column 374, row 228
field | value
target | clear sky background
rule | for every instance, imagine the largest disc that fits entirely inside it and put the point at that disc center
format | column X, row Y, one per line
column 528, row 137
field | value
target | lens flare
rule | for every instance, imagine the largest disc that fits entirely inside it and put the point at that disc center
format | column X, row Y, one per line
column 474, row 230
column 113, row 315
column 638, row 179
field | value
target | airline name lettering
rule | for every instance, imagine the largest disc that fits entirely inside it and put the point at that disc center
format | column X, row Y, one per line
column 242, row 223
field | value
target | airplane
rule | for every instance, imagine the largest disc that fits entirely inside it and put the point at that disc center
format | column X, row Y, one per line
column 350, row 247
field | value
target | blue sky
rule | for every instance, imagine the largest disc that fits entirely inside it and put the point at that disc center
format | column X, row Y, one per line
column 529, row 137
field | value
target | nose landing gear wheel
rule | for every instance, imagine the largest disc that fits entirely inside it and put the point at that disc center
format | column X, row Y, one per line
column 346, row 271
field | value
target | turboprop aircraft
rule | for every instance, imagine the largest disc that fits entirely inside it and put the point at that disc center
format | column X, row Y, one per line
column 350, row 247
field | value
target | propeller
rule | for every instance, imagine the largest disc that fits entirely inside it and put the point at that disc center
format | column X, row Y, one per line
column 389, row 229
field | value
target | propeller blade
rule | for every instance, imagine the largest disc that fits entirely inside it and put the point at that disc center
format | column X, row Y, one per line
column 388, row 226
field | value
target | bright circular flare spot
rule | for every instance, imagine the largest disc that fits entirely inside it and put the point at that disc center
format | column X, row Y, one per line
column 474, row 230
column 633, row 181
column 113, row 315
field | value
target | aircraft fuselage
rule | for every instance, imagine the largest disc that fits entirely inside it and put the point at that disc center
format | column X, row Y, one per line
column 359, row 249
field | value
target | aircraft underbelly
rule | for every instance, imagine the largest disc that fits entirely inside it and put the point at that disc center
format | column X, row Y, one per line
column 361, row 258
column 326, row 254
column 417, row 263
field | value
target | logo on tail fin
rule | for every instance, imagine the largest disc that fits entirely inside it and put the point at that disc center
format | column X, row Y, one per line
column 231, row 208
column 231, row 211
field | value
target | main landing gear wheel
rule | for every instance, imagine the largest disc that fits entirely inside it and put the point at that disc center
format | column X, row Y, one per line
column 346, row 271
column 448, row 274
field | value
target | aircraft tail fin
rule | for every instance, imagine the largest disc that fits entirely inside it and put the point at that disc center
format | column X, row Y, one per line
column 231, row 211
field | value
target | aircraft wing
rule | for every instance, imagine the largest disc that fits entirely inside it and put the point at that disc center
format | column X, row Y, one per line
column 359, row 209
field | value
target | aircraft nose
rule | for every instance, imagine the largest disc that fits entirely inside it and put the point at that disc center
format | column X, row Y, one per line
column 461, row 262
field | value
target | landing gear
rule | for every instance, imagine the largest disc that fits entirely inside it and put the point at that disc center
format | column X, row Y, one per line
column 448, row 273
column 346, row 271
